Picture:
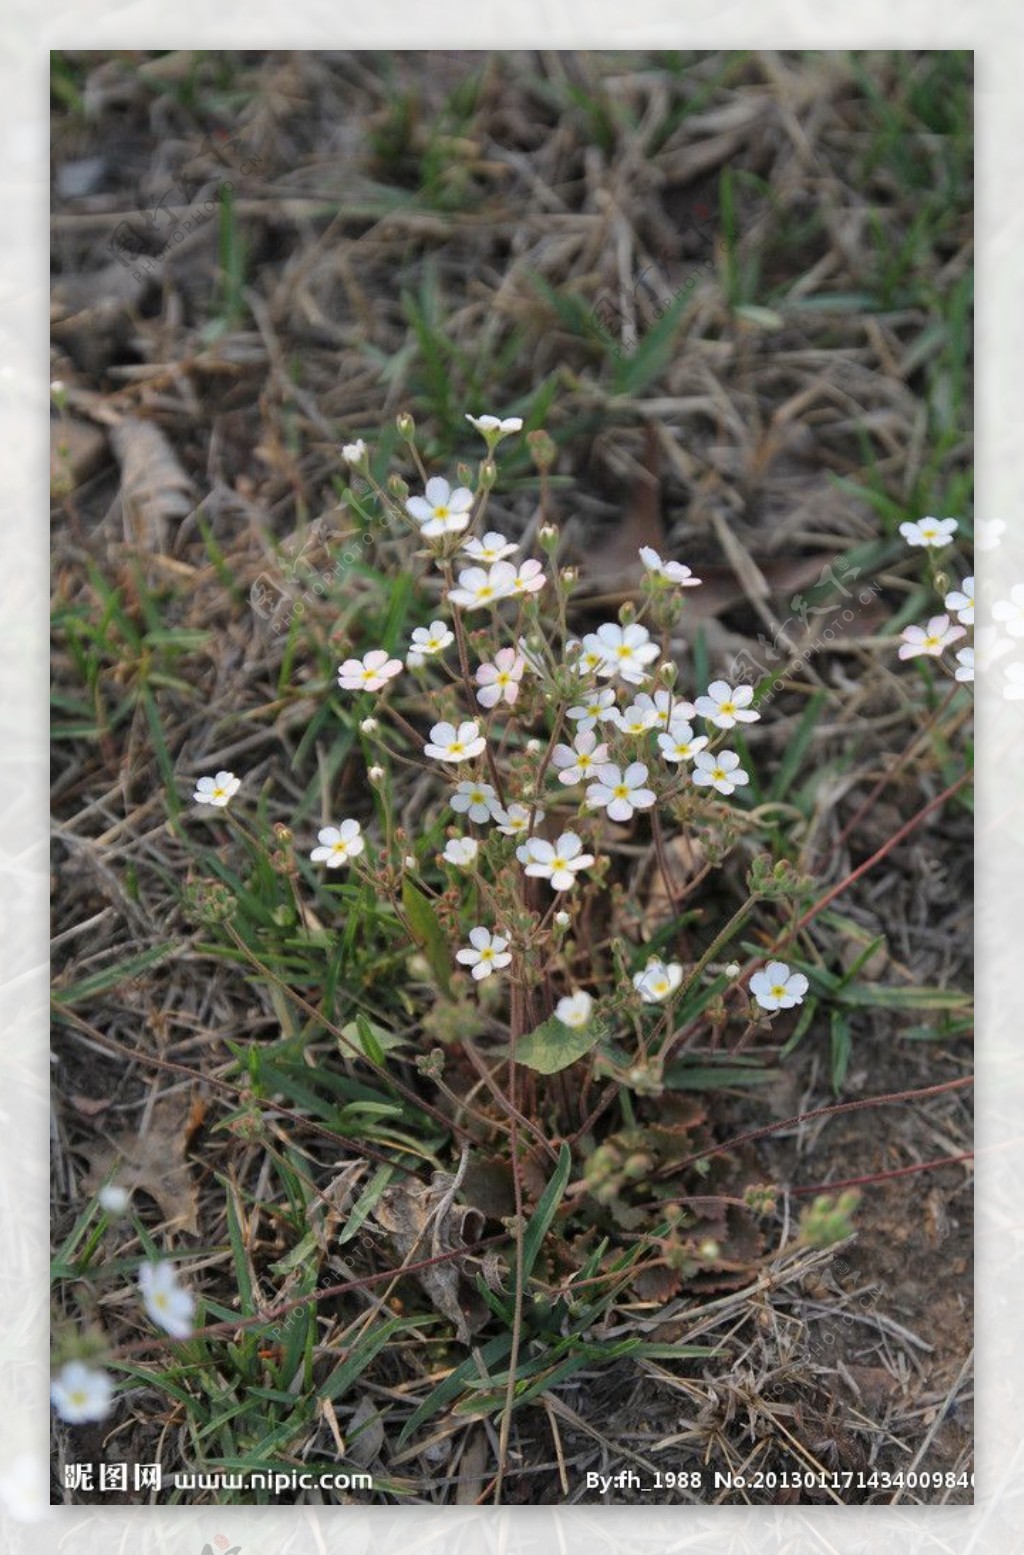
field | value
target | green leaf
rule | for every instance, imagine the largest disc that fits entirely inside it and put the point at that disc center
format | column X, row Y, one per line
column 695, row 1077
column 875, row 996
column 554, row 1046
column 840, row 1048
column 427, row 932
column 545, row 1212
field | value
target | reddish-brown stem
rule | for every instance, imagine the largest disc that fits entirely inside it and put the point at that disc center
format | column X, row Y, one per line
column 834, row 1109
column 232, row 1325
column 873, row 1177
column 862, row 869
column 892, row 772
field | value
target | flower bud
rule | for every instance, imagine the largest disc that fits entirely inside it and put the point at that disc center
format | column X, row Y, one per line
column 488, row 475
column 532, row 747
column 355, row 454
column 397, row 488
column 543, row 449
column 547, row 536
column 563, row 919
column 406, row 426
column 375, row 774
column 732, row 969
column 409, row 862
column 369, row 726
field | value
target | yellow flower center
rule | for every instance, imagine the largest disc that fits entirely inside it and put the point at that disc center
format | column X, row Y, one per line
column 219, row 793
column 718, row 772
column 441, row 513
column 779, row 991
column 661, row 986
column 727, row 707
column 456, row 749
column 623, row 651
column 485, row 592
column 621, row 791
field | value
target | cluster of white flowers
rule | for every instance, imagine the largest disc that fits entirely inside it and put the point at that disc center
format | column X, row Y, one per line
column 941, row 632
column 82, row 1391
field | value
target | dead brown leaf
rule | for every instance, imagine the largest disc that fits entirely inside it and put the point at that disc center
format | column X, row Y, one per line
column 155, row 489
column 154, row 1161
column 423, row 1221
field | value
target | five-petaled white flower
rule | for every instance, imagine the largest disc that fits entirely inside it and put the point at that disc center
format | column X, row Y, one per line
column 500, row 680
column 442, row 511
column 461, row 851
column 113, row 1198
column 598, row 708
column 478, row 588
column 620, row 793
column 965, row 664
column 637, row 719
column 369, row 673
column 775, row 987
column 352, row 453
column 1011, row 611
column 575, row 1009
column 495, row 427
column 487, row 955
column 514, row 821
column 492, row 548
column 528, row 578
column 338, row 844
column 988, row 533
column 585, row 660
column 450, row 744
column 80, row 1392
column 657, row 980
column 675, row 572
column 1013, row 688
column 666, row 709
column 625, row 650
column 725, row 706
column 722, row 770
column 681, row 744
column 165, row 1301
column 430, row 639
column 555, row 861
column 217, row 790
column 477, row 800
column 931, row 639
column 961, row 601
column 929, row 531
column 578, row 760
